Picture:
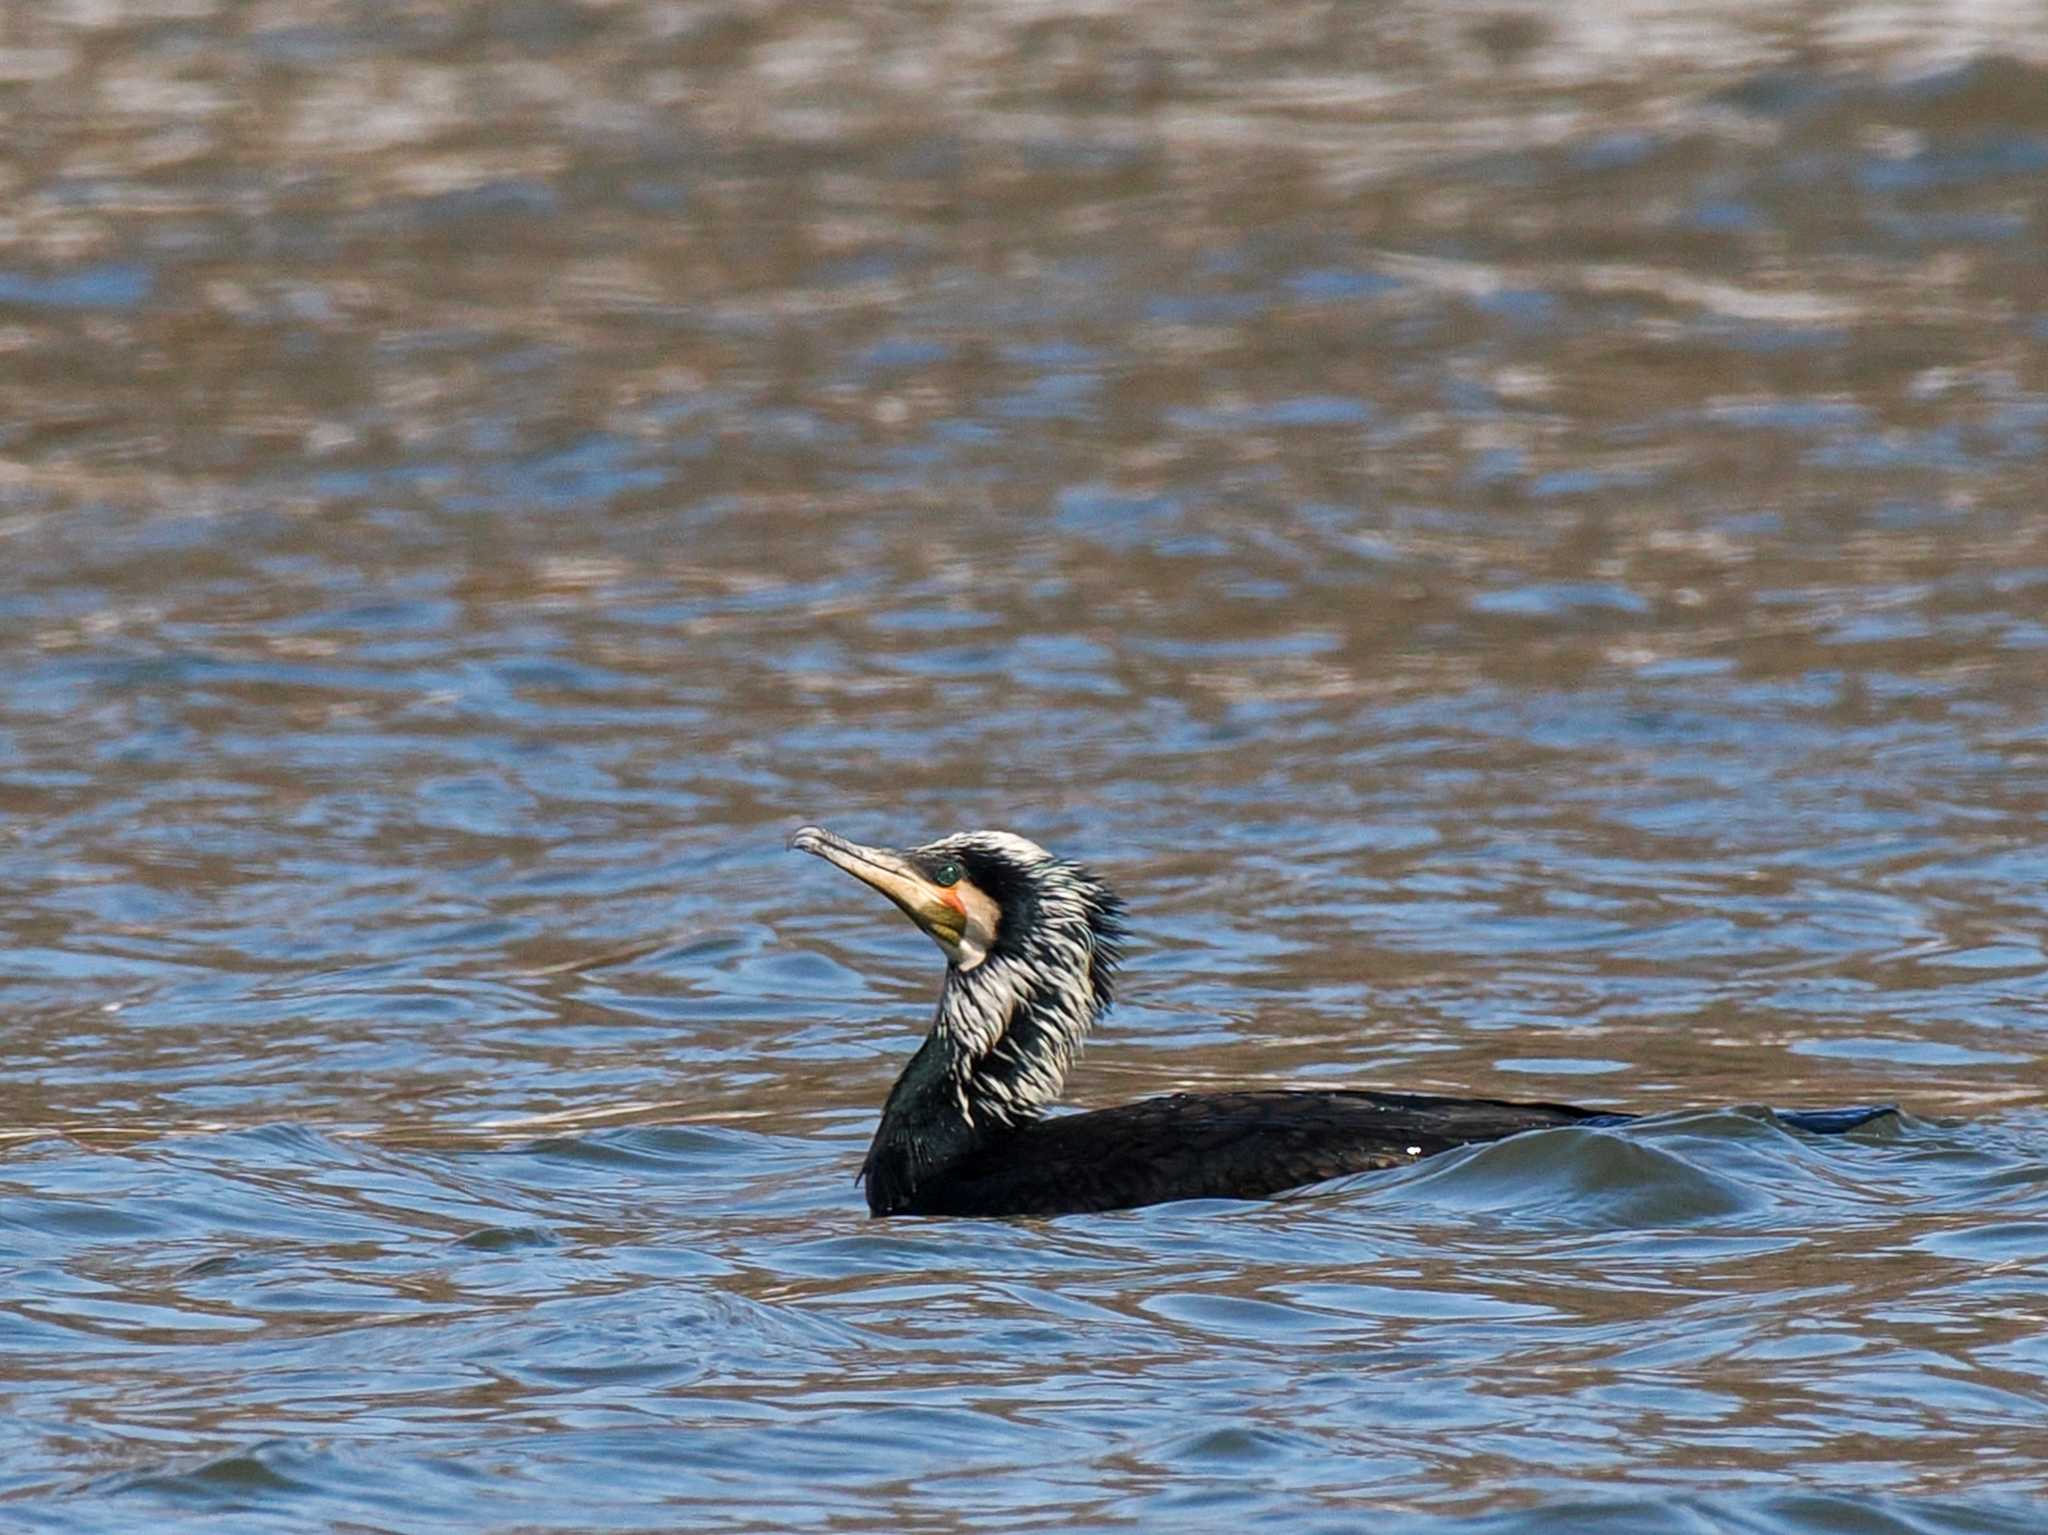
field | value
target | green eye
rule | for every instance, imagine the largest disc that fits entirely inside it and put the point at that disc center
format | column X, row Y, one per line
column 947, row 873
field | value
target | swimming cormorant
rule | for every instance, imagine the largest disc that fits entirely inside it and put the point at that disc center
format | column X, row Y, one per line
column 1031, row 944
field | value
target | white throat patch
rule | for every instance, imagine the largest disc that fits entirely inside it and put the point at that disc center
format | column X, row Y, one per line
column 978, row 934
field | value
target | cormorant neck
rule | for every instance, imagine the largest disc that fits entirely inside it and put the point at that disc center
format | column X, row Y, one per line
column 998, row 1052
column 925, row 1130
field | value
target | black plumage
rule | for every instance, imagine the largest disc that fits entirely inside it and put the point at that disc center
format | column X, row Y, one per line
column 1229, row 1145
column 1032, row 943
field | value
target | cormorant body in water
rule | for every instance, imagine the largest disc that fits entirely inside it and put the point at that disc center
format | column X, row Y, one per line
column 1032, row 943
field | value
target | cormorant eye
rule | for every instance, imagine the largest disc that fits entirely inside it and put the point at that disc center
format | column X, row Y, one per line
column 947, row 873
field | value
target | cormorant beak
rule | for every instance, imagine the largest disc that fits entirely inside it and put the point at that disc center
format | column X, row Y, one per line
column 939, row 910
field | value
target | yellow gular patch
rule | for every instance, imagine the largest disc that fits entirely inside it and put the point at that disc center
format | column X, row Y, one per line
column 978, row 933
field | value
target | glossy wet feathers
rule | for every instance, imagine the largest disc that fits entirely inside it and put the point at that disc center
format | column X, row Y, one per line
column 1227, row 1145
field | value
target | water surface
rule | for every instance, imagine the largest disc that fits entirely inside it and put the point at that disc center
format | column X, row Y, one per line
column 1513, row 539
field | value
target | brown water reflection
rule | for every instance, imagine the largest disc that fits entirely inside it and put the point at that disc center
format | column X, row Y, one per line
column 1511, row 534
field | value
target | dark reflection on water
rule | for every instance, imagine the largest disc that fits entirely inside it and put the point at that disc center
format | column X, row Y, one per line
column 1513, row 539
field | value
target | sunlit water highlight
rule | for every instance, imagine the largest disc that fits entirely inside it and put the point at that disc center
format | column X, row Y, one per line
column 1513, row 540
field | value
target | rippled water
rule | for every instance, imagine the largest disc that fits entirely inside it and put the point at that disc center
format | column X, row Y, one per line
column 1512, row 537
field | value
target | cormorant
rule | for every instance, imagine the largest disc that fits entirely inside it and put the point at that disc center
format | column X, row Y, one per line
column 1032, row 943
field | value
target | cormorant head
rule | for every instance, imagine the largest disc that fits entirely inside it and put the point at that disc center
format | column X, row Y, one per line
column 978, row 893
column 1031, row 942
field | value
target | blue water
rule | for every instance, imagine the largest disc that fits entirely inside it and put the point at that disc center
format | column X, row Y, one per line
column 1518, row 558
